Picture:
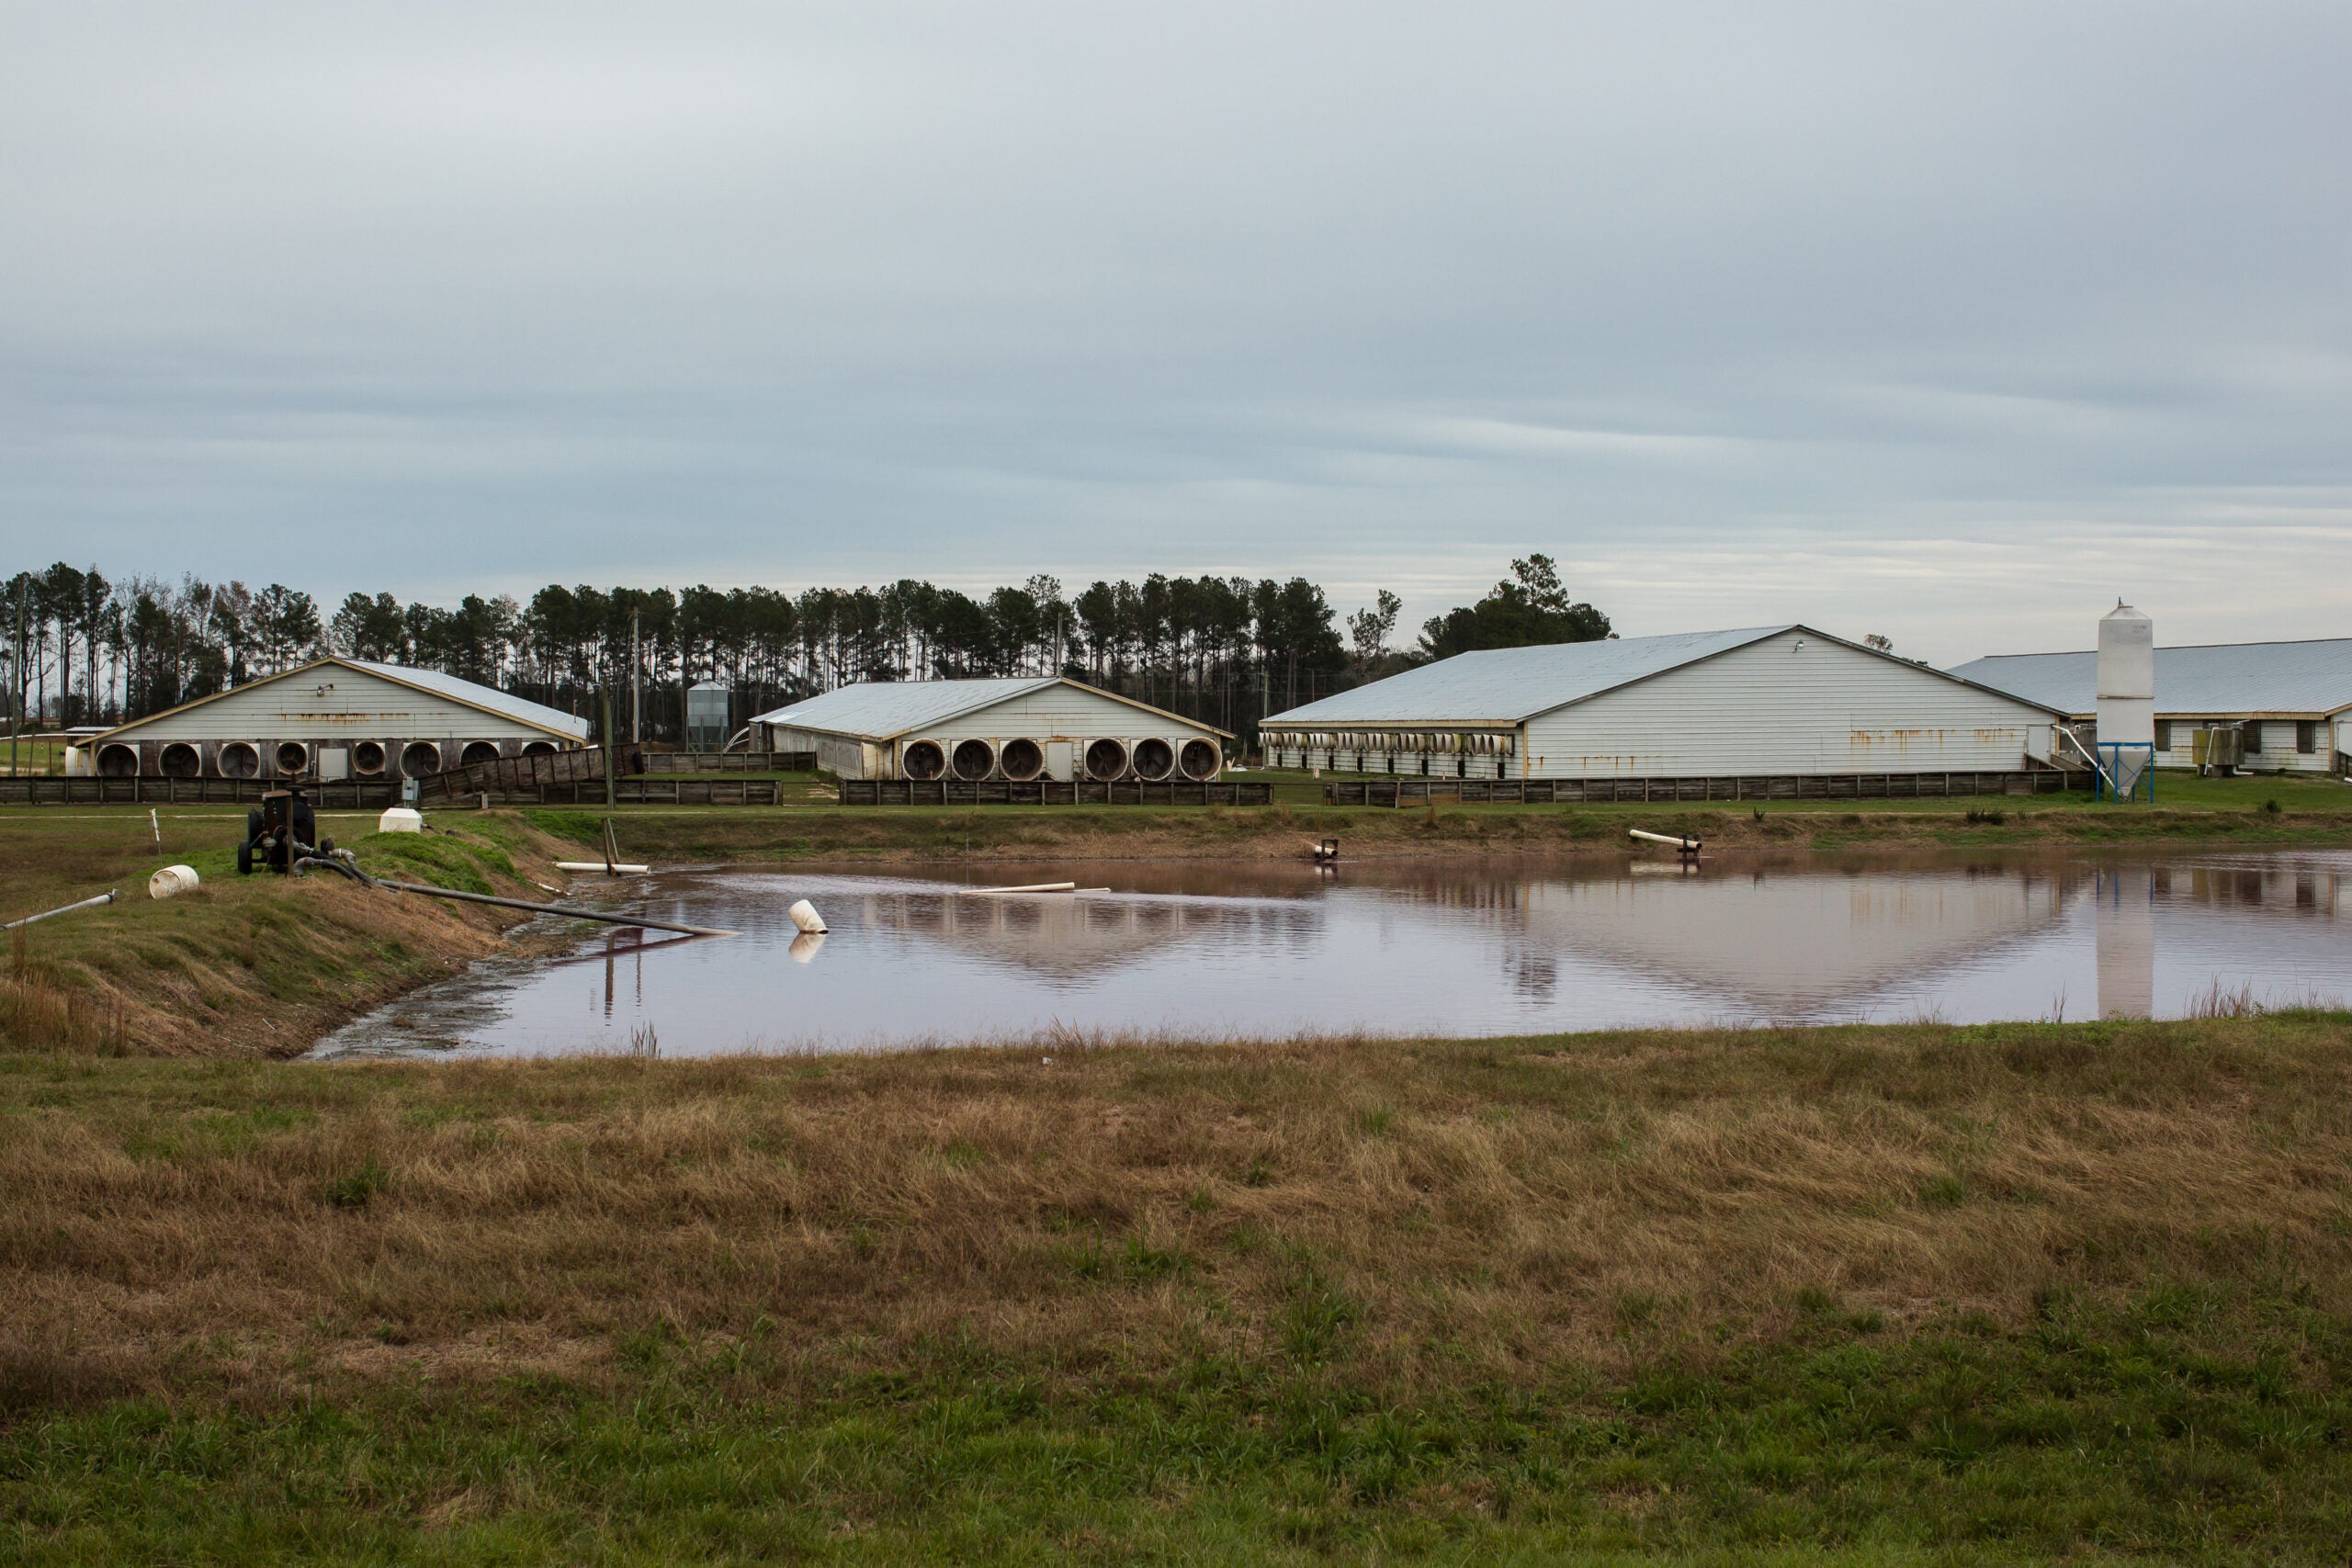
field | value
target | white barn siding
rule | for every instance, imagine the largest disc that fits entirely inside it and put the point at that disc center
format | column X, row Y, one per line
column 327, row 711
column 1069, row 715
column 360, row 707
column 837, row 755
column 2280, row 737
column 1774, row 708
column 1063, row 714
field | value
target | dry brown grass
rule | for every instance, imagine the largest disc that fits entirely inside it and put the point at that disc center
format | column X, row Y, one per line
column 1423, row 1212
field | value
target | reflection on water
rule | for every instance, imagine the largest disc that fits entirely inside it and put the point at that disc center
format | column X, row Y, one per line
column 2126, row 899
column 1190, row 949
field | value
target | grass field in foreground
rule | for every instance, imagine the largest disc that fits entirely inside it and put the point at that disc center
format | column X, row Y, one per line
column 1866, row 1294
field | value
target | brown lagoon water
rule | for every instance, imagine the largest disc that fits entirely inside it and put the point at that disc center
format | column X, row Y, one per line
column 1202, row 950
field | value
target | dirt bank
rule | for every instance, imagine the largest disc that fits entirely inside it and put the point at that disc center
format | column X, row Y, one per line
column 910, row 835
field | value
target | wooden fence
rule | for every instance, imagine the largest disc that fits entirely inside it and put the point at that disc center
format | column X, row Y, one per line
column 631, row 791
column 661, row 763
column 508, row 775
column 557, row 778
column 364, row 796
column 1050, row 792
column 576, row 778
column 1778, row 786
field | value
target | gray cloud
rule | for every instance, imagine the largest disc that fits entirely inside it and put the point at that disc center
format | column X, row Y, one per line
column 1942, row 324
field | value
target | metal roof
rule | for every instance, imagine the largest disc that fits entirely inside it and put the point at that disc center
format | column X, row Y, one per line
column 882, row 710
column 1510, row 685
column 2217, row 679
column 488, row 699
column 474, row 694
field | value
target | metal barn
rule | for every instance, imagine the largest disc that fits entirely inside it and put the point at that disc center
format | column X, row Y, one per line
column 1784, row 702
column 2292, row 701
column 332, row 719
column 1018, row 730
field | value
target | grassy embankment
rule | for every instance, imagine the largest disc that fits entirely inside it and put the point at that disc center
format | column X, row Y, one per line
column 1869, row 1294
column 2195, row 812
column 244, row 965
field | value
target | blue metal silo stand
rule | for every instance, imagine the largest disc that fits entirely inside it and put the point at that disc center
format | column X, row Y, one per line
column 2112, row 755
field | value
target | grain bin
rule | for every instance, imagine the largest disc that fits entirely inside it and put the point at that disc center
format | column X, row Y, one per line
column 2127, row 698
column 2127, row 677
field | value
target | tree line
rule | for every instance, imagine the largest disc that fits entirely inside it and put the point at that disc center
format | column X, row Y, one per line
column 80, row 648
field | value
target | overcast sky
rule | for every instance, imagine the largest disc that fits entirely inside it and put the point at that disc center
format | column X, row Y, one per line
column 1950, row 322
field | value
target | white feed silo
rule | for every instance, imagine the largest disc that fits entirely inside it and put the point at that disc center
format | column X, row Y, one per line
column 2127, row 690
column 2127, row 677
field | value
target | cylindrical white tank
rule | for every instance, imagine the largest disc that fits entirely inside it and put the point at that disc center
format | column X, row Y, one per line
column 2127, row 677
column 171, row 882
column 803, row 915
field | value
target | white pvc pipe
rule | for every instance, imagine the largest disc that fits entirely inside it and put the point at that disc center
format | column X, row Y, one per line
column 616, row 870
column 1033, row 887
column 105, row 897
column 803, row 915
column 1679, row 843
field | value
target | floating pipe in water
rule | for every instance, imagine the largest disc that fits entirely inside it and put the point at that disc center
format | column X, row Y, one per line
column 615, row 870
column 338, row 862
column 803, row 915
column 573, row 911
column 345, row 863
column 1033, row 887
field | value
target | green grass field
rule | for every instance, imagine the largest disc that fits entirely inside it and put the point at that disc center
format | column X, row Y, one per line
column 36, row 753
column 1872, row 1295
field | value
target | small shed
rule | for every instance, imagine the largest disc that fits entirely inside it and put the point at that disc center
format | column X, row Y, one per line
column 2291, row 700
column 1018, row 730
column 1785, row 701
column 333, row 719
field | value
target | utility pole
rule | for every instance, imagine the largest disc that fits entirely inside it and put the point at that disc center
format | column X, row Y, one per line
column 608, row 748
column 1266, row 700
column 636, row 682
column 17, row 674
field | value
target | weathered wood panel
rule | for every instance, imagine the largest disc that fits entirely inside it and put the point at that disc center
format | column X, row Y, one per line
column 362, row 796
column 1814, row 786
column 1050, row 792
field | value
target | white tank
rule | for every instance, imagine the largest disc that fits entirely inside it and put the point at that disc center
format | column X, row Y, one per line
column 172, row 881
column 2127, row 676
